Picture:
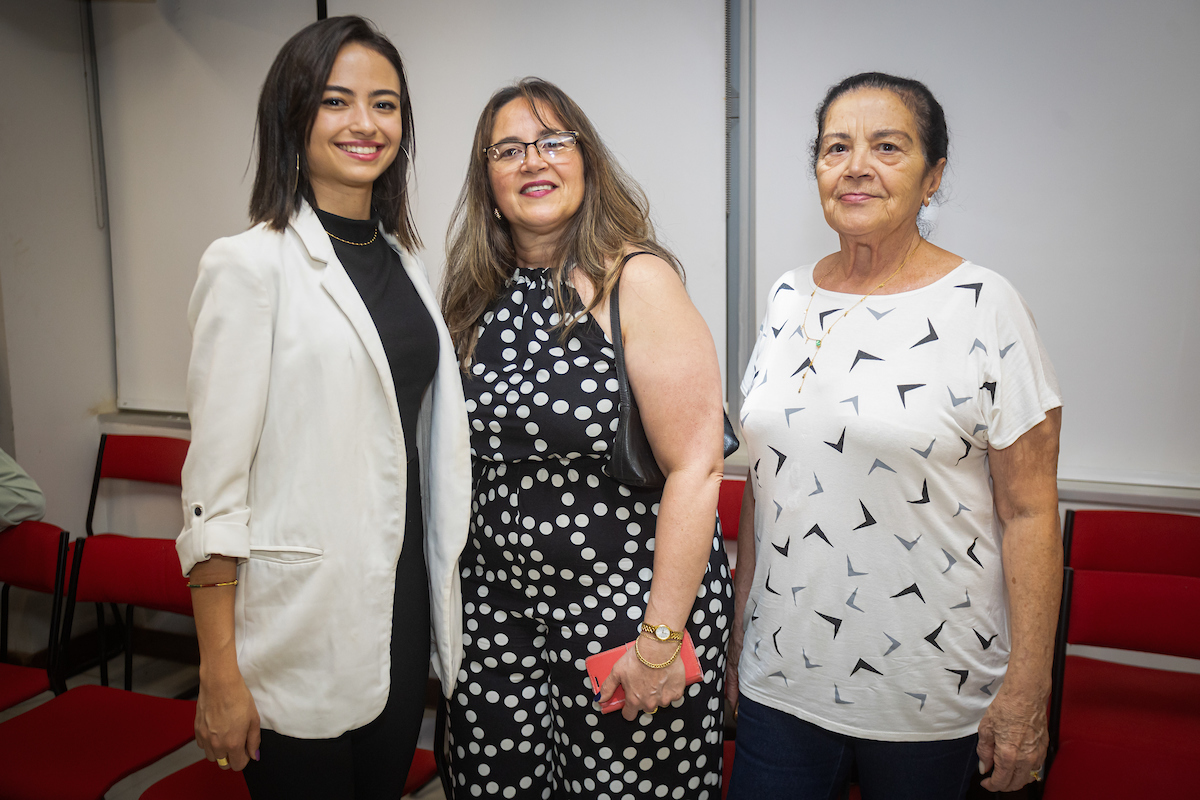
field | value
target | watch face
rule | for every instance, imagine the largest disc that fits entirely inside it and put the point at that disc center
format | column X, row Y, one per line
column 662, row 632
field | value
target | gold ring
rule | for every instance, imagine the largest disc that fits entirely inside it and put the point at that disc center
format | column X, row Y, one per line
column 1036, row 774
column 655, row 711
column 222, row 762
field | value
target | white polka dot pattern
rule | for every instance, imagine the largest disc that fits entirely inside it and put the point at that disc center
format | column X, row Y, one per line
column 557, row 568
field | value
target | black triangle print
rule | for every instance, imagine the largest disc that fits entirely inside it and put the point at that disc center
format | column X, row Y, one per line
column 991, row 387
column 904, row 389
column 806, row 365
column 965, row 454
column 863, row 356
column 962, row 677
column 783, row 551
column 817, row 530
column 782, row 458
column 984, row 643
column 767, row 584
column 978, row 287
column 824, row 314
column 840, row 442
column 775, row 641
column 834, row 621
column 864, row 665
column 777, row 330
column 782, row 287
column 924, row 494
column 971, row 552
column 914, row 589
column 932, row 638
column 868, row 520
column 932, row 337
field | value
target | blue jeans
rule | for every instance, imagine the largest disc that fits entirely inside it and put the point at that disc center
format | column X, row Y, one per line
column 781, row 757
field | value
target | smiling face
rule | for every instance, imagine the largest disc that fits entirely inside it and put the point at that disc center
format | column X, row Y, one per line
column 871, row 172
column 357, row 131
column 537, row 197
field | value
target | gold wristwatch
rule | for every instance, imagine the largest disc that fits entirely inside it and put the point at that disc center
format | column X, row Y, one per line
column 661, row 632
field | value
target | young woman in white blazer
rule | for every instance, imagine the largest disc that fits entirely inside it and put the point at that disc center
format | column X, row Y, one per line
column 317, row 499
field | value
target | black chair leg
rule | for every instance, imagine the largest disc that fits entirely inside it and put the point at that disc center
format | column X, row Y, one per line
column 103, row 644
column 129, row 648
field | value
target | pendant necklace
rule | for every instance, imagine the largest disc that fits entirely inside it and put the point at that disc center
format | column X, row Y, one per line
column 821, row 340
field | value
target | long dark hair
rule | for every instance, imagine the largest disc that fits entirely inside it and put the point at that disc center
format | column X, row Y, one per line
column 287, row 109
column 613, row 219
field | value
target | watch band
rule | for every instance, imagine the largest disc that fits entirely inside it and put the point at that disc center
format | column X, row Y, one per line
column 660, row 632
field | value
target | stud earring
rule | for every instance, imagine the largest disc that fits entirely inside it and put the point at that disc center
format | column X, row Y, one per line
column 496, row 211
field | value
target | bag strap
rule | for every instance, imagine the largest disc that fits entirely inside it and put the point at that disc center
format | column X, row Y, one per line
column 614, row 321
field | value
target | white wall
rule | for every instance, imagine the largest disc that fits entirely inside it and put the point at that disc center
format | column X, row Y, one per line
column 53, row 270
column 179, row 85
column 1071, row 172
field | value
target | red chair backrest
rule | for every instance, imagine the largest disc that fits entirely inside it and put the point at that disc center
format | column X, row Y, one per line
column 29, row 555
column 132, row 570
column 729, row 506
column 1137, row 582
column 156, row 459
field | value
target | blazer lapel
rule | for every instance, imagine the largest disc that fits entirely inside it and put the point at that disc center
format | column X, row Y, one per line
column 337, row 285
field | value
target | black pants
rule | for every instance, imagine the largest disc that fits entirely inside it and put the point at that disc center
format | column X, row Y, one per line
column 372, row 761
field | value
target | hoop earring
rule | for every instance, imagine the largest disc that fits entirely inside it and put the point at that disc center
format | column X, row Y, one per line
column 496, row 211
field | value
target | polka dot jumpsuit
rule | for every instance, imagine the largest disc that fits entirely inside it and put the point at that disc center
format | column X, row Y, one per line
column 557, row 568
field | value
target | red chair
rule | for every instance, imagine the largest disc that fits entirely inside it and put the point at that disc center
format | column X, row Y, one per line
column 1132, row 583
column 150, row 459
column 729, row 506
column 33, row 556
column 76, row 746
column 204, row 780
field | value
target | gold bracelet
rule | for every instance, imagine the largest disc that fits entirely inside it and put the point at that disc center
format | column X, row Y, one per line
column 651, row 665
column 210, row 585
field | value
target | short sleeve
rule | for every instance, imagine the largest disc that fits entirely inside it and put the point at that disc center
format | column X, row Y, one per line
column 1020, row 374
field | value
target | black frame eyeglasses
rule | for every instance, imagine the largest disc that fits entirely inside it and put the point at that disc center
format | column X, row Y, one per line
column 551, row 146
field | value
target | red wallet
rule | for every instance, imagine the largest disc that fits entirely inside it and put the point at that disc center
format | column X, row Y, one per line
column 600, row 665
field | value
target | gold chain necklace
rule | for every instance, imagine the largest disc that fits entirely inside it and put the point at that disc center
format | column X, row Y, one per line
column 374, row 236
column 804, row 331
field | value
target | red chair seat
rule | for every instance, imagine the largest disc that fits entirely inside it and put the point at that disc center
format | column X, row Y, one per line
column 1115, row 703
column 421, row 772
column 18, row 684
column 204, row 780
column 124, row 732
column 1093, row 771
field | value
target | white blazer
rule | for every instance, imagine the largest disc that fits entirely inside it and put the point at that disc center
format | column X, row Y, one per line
column 298, row 469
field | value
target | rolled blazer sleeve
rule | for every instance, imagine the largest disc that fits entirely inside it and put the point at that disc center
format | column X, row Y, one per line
column 231, row 315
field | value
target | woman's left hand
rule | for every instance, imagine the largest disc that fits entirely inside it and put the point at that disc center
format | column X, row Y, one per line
column 646, row 689
column 1012, row 741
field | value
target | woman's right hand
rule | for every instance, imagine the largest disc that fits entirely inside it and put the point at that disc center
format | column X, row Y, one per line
column 227, row 725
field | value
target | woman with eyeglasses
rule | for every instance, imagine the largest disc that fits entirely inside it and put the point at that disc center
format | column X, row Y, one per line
column 318, row 509
column 562, row 561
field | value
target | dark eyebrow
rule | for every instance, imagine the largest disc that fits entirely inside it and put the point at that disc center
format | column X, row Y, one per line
column 545, row 132
column 883, row 134
column 376, row 93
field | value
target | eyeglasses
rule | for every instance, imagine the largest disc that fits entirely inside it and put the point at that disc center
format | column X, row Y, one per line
column 552, row 147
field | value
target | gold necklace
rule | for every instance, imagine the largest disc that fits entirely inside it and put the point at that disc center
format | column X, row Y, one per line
column 804, row 331
column 374, row 236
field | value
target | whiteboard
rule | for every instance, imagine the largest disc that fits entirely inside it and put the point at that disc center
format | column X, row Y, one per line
column 1072, row 172
column 179, row 83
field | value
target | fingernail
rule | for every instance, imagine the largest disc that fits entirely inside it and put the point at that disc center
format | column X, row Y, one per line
column 256, row 756
column 982, row 771
column 597, row 697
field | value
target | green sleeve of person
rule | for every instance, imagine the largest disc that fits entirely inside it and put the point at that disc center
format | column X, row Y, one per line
column 20, row 497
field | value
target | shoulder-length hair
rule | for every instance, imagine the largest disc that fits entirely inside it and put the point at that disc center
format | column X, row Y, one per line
column 613, row 219
column 287, row 108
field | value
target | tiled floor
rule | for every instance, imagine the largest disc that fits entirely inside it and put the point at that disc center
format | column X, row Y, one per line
column 167, row 679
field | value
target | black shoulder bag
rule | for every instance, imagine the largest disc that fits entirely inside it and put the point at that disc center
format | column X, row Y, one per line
column 632, row 461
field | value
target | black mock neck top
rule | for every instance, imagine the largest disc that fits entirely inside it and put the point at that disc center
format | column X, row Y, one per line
column 404, row 325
